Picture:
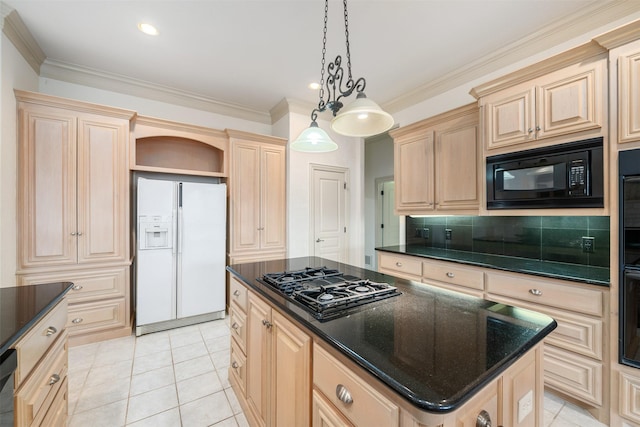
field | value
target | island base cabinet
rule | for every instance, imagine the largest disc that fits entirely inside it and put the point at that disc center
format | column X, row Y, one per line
column 324, row 414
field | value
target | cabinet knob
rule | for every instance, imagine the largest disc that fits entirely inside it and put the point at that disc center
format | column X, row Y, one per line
column 77, row 287
column 398, row 264
column 535, row 292
column 74, row 233
column 483, row 419
column 54, row 379
column 236, row 293
column 450, row 275
column 77, row 320
column 50, row 331
column 266, row 323
column 530, row 130
column 235, row 326
column 235, row 365
column 538, row 129
column 343, row 394
column 79, row 233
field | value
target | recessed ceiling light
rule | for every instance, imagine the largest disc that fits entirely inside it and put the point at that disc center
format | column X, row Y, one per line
column 314, row 86
column 148, row 29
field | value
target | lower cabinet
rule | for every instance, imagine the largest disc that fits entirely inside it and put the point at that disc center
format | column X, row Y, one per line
column 40, row 395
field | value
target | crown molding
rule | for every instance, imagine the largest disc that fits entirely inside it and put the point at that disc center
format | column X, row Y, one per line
column 289, row 105
column 18, row 33
column 594, row 16
column 619, row 36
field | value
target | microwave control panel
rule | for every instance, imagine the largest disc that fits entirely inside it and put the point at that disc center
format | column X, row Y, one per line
column 577, row 178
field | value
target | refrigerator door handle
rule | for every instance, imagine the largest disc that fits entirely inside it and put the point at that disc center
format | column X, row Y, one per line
column 180, row 229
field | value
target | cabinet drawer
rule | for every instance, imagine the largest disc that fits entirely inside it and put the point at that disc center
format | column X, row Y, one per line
column 238, row 368
column 368, row 406
column 57, row 413
column 547, row 292
column 324, row 414
column 238, row 321
column 96, row 316
column 32, row 347
column 402, row 266
column 238, row 293
column 34, row 397
column 87, row 286
column 630, row 397
column 575, row 375
column 454, row 274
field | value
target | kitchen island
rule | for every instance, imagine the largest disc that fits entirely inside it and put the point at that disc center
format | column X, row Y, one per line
column 425, row 357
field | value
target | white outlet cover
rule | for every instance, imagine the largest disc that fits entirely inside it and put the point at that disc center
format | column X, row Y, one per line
column 525, row 406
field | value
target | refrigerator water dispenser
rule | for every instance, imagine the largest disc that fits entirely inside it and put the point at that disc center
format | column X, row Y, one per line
column 155, row 232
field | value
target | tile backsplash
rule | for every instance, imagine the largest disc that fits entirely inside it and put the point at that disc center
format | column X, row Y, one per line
column 547, row 238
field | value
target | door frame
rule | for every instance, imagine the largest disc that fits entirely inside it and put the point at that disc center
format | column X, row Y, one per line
column 313, row 167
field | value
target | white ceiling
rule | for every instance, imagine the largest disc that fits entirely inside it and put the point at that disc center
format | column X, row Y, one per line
column 253, row 54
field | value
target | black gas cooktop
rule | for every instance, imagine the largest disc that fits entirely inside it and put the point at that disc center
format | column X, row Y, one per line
column 328, row 293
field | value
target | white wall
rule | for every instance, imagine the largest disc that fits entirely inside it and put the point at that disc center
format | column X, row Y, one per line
column 15, row 73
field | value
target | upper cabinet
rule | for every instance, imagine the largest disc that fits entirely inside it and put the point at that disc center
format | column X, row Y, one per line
column 546, row 102
column 629, row 97
column 72, row 182
column 170, row 147
column 257, row 204
column 436, row 164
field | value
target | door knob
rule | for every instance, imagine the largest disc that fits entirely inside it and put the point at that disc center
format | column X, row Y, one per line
column 318, row 240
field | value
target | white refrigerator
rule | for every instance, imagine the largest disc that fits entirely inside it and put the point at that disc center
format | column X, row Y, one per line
column 180, row 254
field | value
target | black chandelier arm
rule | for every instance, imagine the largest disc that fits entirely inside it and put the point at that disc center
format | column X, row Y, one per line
column 338, row 86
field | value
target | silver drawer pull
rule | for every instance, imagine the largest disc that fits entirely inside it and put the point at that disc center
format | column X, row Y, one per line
column 235, row 326
column 77, row 287
column 398, row 264
column 50, row 331
column 535, row 292
column 236, row 293
column 343, row 394
column 451, row 275
column 483, row 419
column 77, row 320
column 54, row 379
column 235, row 365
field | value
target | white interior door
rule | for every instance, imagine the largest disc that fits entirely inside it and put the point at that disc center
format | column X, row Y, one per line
column 328, row 210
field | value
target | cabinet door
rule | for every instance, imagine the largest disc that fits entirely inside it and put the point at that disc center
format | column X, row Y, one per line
column 291, row 374
column 413, row 173
column 47, row 186
column 258, row 313
column 273, row 203
column 246, row 197
column 102, row 188
column 570, row 100
column 509, row 116
column 629, row 97
column 457, row 169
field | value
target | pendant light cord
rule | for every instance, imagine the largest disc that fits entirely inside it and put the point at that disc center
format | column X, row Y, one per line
column 346, row 37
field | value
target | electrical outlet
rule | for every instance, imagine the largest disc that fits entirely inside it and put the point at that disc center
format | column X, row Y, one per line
column 447, row 234
column 425, row 233
column 525, row 406
column 588, row 244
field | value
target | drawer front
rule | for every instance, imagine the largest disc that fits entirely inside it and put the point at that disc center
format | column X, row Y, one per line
column 323, row 413
column 577, row 376
column 550, row 293
column 96, row 316
column 368, row 407
column 37, row 394
column 57, row 413
column 238, row 293
column 453, row 274
column 32, row 347
column 238, row 368
column 238, row 321
column 630, row 397
column 108, row 283
column 401, row 266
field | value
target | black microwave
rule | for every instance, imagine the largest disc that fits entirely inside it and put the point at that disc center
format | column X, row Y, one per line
column 561, row 176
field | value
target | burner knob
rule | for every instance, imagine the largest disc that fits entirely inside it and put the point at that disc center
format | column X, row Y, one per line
column 343, row 394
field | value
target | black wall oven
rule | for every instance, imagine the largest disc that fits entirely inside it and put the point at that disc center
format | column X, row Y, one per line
column 560, row 176
column 629, row 187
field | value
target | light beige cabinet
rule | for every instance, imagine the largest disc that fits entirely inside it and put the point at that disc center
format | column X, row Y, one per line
column 560, row 96
column 436, row 164
column 40, row 395
column 629, row 97
column 272, row 378
column 257, row 205
column 73, row 207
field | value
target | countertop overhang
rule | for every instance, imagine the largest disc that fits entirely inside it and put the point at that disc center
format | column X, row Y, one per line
column 555, row 270
column 435, row 348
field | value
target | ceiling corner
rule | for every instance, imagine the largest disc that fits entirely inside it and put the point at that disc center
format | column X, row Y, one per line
column 18, row 33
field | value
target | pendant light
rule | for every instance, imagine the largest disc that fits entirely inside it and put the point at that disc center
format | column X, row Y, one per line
column 361, row 118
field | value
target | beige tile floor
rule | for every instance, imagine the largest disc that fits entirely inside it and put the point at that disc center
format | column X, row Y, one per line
column 179, row 378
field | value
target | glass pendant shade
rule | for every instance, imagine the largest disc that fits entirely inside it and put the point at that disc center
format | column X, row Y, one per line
column 314, row 140
column 362, row 117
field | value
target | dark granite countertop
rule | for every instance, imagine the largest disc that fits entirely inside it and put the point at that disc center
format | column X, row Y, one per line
column 434, row 347
column 22, row 306
column 555, row 270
